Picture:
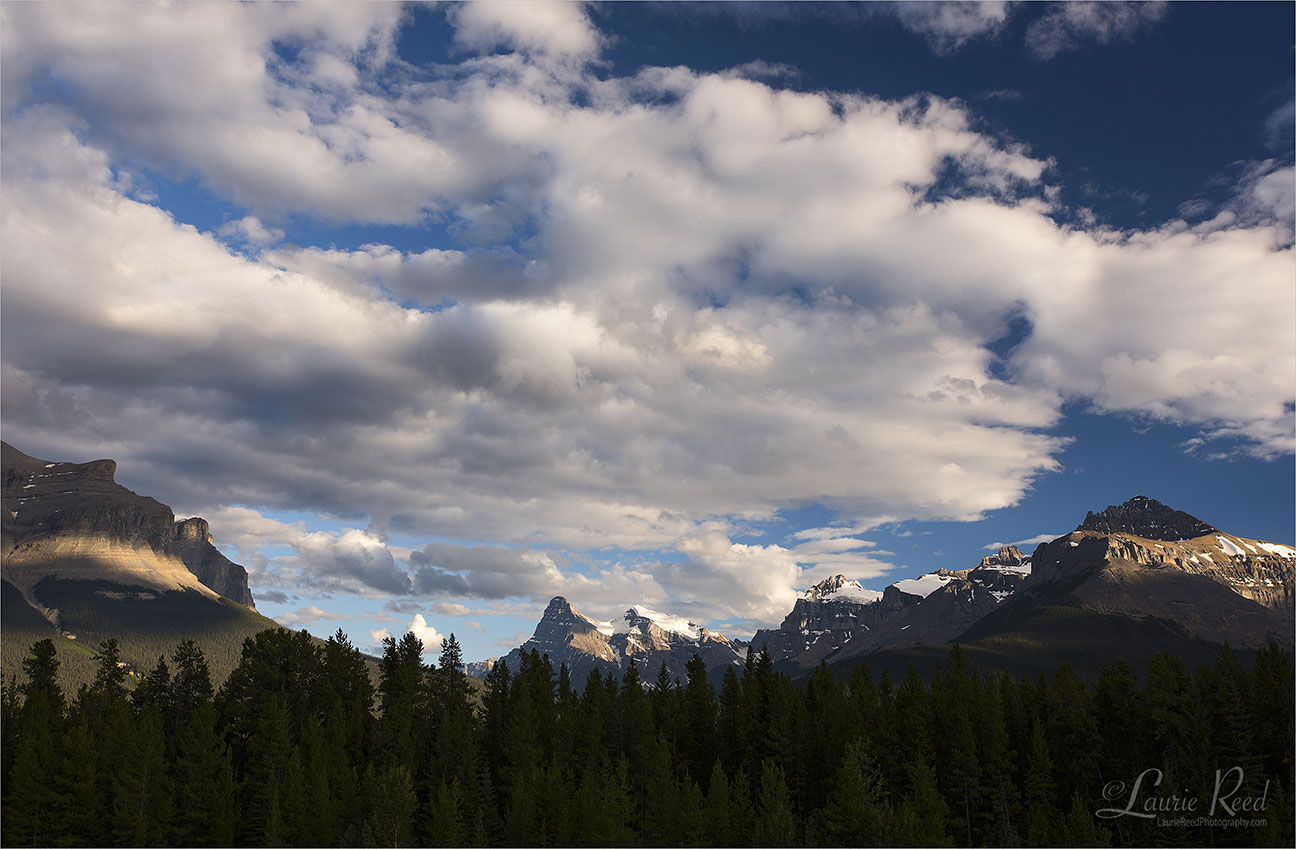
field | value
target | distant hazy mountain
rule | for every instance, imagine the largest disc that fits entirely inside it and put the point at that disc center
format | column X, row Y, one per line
column 84, row 559
column 646, row 637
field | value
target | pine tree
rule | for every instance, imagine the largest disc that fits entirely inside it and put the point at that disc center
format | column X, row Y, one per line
column 857, row 812
column 922, row 813
column 34, row 810
column 394, row 806
column 260, row 796
column 203, row 782
column 1080, row 827
column 142, row 795
column 190, row 684
column 1041, row 792
column 722, row 831
column 75, row 784
column 658, row 790
column 731, row 741
column 154, row 692
column 445, row 816
column 691, row 822
column 956, row 749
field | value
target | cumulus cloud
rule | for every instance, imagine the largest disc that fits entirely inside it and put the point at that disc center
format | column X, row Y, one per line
column 351, row 556
column 1068, row 25
column 549, row 28
column 430, row 637
column 419, row 627
column 682, row 301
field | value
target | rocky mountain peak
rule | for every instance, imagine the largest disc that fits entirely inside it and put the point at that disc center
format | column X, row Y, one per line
column 1148, row 518
column 1007, row 555
column 558, row 607
column 827, row 586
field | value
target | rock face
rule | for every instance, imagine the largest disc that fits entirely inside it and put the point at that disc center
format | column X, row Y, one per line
column 1147, row 518
column 643, row 636
column 829, row 615
column 1152, row 537
column 75, row 521
column 193, row 544
column 1093, row 596
column 1127, row 582
column 838, row 618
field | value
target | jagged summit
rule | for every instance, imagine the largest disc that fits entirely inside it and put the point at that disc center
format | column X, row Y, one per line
column 1007, row 557
column 828, row 585
column 1148, row 518
column 643, row 636
column 840, row 588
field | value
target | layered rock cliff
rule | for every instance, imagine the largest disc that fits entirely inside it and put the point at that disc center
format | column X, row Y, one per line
column 75, row 521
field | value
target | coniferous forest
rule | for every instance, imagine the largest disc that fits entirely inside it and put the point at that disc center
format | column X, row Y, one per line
column 299, row 748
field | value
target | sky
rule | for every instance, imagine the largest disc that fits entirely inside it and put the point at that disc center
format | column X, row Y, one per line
column 438, row 311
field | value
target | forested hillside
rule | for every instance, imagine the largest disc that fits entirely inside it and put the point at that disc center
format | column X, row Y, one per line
column 299, row 748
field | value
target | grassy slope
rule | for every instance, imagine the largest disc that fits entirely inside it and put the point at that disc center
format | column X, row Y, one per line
column 21, row 625
column 146, row 625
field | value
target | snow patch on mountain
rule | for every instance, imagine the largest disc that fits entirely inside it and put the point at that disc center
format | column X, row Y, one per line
column 675, row 624
column 923, row 585
column 1230, row 548
column 1022, row 568
column 840, row 588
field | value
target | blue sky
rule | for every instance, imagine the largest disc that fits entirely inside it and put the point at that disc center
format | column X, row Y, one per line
column 437, row 311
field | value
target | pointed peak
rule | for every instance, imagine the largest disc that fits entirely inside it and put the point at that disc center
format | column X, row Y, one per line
column 1148, row 518
column 558, row 606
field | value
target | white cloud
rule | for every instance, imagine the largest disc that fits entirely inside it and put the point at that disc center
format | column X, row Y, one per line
column 1023, row 544
column 431, row 638
column 730, row 299
column 546, row 27
column 949, row 25
column 250, row 230
column 356, row 558
column 1066, row 25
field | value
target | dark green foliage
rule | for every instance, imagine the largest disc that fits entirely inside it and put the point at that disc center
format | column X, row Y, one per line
column 146, row 624
column 298, row 748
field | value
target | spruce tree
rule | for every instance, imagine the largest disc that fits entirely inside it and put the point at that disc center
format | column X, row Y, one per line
column 34, row 809
column 722, row 831
column 856, row 812
column 142, row 794
column 445, row 815
column 203, row 783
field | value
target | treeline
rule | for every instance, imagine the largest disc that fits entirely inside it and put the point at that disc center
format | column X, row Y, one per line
column 298, row 747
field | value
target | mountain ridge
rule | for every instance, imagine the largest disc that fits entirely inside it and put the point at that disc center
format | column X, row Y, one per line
column 1127, row 571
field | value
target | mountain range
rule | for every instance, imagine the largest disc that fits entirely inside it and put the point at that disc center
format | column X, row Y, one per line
column 85, row 559
column 1133, row 580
